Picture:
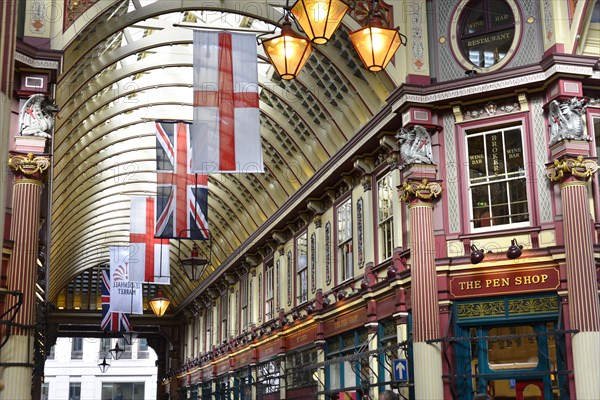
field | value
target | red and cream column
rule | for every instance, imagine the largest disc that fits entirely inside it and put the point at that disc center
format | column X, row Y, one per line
column 573, row 171
column 17, row 354
column 419, row 193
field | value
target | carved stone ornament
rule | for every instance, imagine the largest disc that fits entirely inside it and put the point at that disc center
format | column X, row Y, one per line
column 36, row 117
column 416, row 146
column 566, row 120
column 29, row 164
column 424, row 190
column 578, row 168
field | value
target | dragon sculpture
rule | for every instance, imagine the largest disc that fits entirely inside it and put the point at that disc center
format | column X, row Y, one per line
column 37, row 116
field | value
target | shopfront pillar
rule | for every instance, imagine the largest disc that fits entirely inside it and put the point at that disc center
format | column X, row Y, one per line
column 419, row 193
column 572, row 170
column 29, row 171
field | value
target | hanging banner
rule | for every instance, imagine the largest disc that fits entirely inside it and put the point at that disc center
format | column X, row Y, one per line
column 125, row 296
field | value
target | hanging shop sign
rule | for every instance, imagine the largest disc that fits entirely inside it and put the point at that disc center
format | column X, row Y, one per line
column 505, row 282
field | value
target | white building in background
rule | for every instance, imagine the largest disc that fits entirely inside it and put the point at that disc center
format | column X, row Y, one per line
column 72, row 372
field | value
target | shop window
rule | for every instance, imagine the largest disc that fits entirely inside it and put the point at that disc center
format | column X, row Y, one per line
column 268, row 375
column 511, row 351
column 122, row 390
column 222, row 388
column 385, row 216
column 77, row 348
column 302, row 267
column 300, row 367
column 126, row 355
column 352, row 371
column 388, row 338
column 487, row 32
column 269, row 291
column 497, row 179
column 344, row 240
column 242, row 384
column 105, row 346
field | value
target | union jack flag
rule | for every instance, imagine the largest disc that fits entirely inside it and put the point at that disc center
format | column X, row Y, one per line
column 182, row 196
column 111, row 321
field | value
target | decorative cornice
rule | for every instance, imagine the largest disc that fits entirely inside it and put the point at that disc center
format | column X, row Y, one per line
column 35, row 63
column 29, row 165
column 424, row 190
column 578, row 168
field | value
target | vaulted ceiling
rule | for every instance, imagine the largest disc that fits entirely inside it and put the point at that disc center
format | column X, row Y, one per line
column 132, row 64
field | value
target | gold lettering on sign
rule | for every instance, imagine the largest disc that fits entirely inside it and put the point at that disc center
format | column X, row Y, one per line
column 476, row 24
column 499, row 18
column 513, row 153
column 531, row 279
column 345, row 322
column 301, row 338
column 268, row 351
column 476, row 159
column 489, row 39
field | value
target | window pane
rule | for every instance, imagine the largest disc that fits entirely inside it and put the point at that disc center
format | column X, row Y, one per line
column 497, row 178
column 512, row 353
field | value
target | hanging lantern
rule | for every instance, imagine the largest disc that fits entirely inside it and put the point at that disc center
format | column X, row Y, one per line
column 287, row 52
column 376, row 45
column 318, row 18
column 159, row 304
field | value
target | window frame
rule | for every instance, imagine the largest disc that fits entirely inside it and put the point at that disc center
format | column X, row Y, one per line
column 484, row 131
column 224, row 313
column 343, row 269
column 301, row 274
column 76, row 348
column 244, row 306
column 269, row 289
column 388, row 220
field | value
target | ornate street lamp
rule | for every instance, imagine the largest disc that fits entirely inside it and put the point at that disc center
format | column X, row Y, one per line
column 195, row 265
column 319, row 19
column 117, row 352
column 129, row 337
column 159, row 304
column 287, row 52
column 376, row 44
column 103, row 365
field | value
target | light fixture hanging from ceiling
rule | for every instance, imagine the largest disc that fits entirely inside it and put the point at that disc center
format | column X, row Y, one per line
column 116, row 352
column 287, row 52
column 376, row 44
column 103, row 365
column 318, row 18
column 159, row 304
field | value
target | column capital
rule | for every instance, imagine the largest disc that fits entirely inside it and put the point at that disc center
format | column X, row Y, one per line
column 423, row 190
column 29, row 166
column 567, row 167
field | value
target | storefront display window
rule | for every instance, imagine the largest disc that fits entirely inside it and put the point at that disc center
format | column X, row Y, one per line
column 347, row 376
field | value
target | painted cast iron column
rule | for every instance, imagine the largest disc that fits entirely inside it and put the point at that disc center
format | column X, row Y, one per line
column 29, row 172
column 584, row 306
column 427, row 358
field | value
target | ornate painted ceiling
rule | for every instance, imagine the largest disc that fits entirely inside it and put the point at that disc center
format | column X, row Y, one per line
column 132, row 64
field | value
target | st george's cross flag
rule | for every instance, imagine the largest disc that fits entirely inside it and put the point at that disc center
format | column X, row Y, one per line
column 226, row 129
column 148, row 256
column 126, row 295
column 182, row 197
column 111, row 321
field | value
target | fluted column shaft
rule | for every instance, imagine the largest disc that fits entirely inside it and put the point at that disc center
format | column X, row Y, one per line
column 582, row 281
column 427, row 357
column 22, row 272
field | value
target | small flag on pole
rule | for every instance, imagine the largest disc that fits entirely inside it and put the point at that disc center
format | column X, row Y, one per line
column 115, row 322
column 226, row 129
column 148, row 256
column 182, row 197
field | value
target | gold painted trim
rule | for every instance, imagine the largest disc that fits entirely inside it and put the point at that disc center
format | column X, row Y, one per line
column 420, row 204
column 29, row 164
column 578, row 168
column 27, row 181
column 573, row 183
column 423, row 190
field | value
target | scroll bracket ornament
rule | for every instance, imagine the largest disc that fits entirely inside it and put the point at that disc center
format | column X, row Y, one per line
column 578, row 168
column 424, row 190
column 28, row 165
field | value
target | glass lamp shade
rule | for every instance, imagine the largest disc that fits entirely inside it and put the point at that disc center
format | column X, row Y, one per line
column 376, row 45
column 288, row 52
column 116, row 352
column 159, row 304
column 319, row 18
column 130, row 336
column 103, row 365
